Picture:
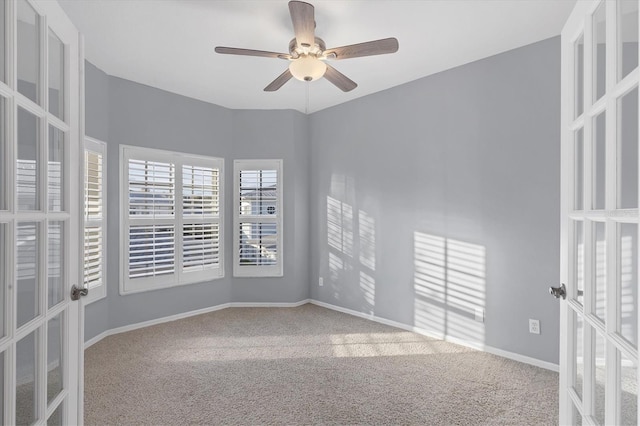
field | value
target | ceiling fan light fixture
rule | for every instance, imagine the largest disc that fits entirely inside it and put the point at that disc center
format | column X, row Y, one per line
column 307, row 68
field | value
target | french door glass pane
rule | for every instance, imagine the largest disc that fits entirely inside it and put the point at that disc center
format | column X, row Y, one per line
column 56, row 169
column 27, row 269
column 578, row 380
column 56, row 76
column 600, row 272
column 28, row 161
column 3, row 45
column 3, row 154
column 56, row 417
column 628, row 277
column 54, row 358
column 25, row 380
column 579, row 263
column 600, row 376
column 4, row 245
column 627, row 37
column 55, row 270
column 28, row 53
column 579, row 170
column 579, row 76
column 628, row 146
column 576, row 416
column 599, row 161
column 599, row 51
column 628, row 391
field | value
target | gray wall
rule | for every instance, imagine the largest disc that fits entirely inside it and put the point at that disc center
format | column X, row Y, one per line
column 441, row 196
column 418, row 204
column 271, row 135
column 96, row 102
column 123, row 112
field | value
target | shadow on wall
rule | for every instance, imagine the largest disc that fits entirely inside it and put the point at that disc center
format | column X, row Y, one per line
column 351, row 240
column 449, row 276
column 449, row 286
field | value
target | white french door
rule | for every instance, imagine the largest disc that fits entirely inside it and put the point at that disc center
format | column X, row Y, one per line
column 39, row 214
column 599, row 243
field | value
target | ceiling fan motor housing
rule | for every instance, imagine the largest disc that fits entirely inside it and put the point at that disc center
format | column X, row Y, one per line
column 316, row 50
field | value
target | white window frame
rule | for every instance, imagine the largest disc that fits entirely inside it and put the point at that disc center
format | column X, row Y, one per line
column 262, row 270
column 98, row 147
column 178, row 277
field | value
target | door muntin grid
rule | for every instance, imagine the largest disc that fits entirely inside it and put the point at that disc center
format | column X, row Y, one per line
column 38, row 217
column 600, row 135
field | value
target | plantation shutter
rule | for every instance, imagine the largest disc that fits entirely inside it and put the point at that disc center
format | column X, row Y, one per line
column 152, row 189
column 93, row 185
column 94, row 219
column 258, row 221
column 93, row 256
column 173, row 215
column 201, row 218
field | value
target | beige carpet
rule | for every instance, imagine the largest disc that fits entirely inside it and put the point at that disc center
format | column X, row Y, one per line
column 306, row 365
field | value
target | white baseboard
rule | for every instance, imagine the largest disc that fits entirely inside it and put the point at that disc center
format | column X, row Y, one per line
column 371, row 317
column 474, row 345
column 183, row 315
column 149, row 323
column 95, row 339
column 269, row 305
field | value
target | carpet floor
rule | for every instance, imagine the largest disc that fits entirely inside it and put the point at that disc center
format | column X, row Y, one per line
column 305, row 365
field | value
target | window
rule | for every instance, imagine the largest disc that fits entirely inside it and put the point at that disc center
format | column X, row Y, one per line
column 95, row 219
column 171, row 219
column 257, row 218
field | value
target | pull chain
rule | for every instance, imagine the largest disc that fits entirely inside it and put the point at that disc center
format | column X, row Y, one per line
column 306, row 106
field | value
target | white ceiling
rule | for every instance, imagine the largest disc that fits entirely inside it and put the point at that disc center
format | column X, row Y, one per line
column 169, row 44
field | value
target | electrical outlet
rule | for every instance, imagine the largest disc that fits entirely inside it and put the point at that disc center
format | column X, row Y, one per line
column 479, row 314
column 320, row 281
column 534, row 326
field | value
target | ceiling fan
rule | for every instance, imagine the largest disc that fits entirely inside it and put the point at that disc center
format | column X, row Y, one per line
column 308, row 53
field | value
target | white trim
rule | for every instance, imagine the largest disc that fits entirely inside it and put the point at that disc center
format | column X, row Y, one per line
column 51, row 17
column 149, row 323
column 184, row 315
column 269, row 305
column 247, row 271
column 99, row 147
column 473, row 345
column 177, row 220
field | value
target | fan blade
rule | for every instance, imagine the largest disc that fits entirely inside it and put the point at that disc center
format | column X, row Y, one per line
column 304, row 24
column 340, row 80
column 369, row 48
column 250, row 52
column 279, row 82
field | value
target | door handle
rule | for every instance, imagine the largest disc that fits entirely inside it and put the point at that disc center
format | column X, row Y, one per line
column 77, row 293
column 558, row 292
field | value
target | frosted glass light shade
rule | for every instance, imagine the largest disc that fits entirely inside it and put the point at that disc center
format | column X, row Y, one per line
column 307, row 68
